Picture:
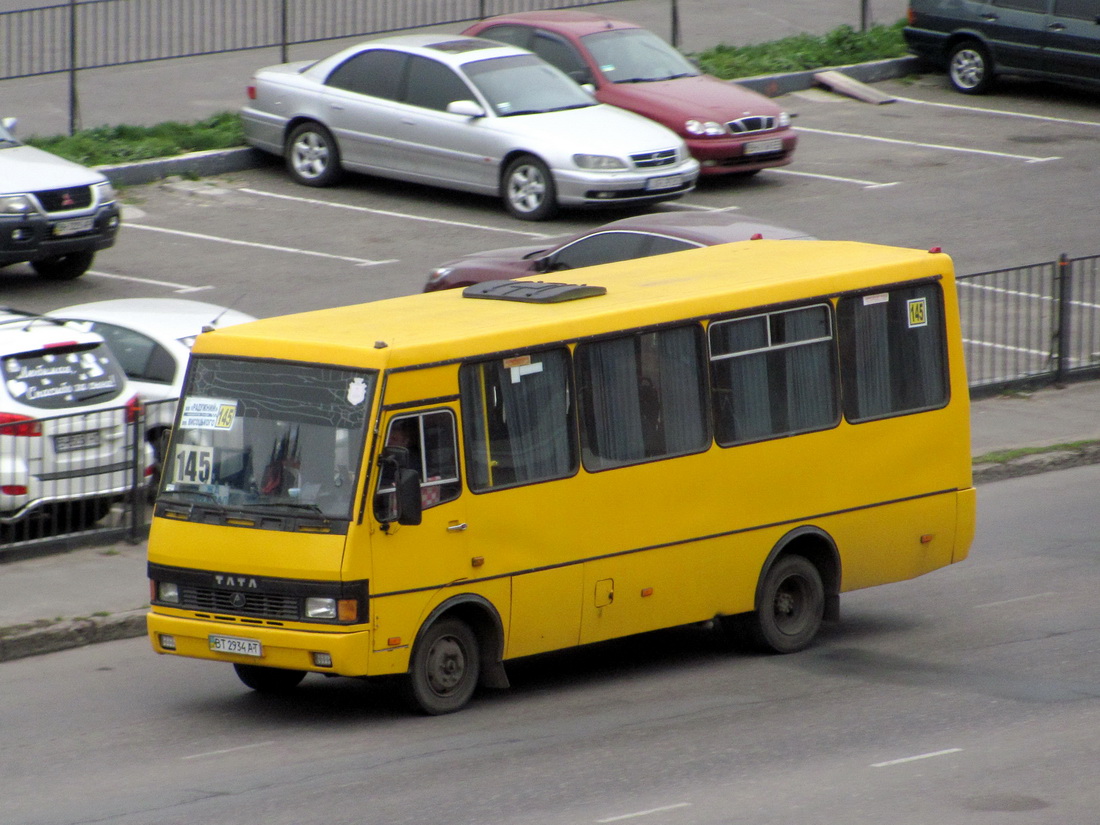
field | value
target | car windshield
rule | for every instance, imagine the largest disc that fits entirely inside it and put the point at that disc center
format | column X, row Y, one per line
column 525, row 85
column 637, row 56
column 269, row 436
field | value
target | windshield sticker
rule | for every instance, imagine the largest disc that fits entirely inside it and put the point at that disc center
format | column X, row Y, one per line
column 357, row 391
column 878, row 298
column 208, row 414
column 39, row 378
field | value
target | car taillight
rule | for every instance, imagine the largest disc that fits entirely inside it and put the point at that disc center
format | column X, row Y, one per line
column 12, row 424
column 13, row 489
column 251, row 92
column 133, row 409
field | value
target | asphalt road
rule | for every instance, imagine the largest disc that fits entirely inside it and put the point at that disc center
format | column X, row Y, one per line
column 968, row 696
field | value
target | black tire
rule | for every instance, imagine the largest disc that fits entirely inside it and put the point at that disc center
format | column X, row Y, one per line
column 970, row 68
column 445, row 668
column 312, row 156
column 528, row 189
column 64, row 267
column 791, row 607
column 269, row 679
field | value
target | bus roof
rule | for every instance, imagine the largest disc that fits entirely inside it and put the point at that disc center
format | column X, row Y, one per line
column 438, row 326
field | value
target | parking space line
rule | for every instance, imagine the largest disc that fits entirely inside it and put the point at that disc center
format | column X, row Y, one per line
column 254, row 245
column 1035, row 296
column 866, row 184
column 388, row 213
column 649, row 812
column 1007, row 347
column 1046, row 595
column 181, row 288
column 991, row 153
column 1002, row 112
column 905, row 759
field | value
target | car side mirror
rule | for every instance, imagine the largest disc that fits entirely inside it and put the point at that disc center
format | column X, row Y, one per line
column 408, row 497
column 466, row 108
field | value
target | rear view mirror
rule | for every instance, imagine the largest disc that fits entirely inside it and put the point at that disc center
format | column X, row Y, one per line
column 408, row 497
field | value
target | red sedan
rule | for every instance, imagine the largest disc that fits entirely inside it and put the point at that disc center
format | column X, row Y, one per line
column 729, row 129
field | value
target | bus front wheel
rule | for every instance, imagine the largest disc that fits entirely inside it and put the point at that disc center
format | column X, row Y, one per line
column 445, row 668
column 791, row 607
column 269, row 679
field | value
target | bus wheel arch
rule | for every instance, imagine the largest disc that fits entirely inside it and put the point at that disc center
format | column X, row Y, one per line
column 798, row 589
column 459, row 647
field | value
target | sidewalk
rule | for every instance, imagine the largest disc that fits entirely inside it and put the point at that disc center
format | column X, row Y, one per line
column 99, row 594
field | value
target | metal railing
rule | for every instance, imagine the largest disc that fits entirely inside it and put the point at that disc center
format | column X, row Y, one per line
column 1031, row 325
column 1022, row 327
column 94, row 34
column 56, row 493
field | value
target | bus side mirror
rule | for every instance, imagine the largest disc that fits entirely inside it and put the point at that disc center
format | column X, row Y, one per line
column 408, row 496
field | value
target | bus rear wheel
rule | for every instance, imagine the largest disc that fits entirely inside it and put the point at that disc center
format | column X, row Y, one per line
column 445, row 668
column 791, row 607
column 269, row 679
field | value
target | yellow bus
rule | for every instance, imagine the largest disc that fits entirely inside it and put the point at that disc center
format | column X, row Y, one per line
column 428, row 487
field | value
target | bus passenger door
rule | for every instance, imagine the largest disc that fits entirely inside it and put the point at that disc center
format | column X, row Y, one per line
column 412, row 561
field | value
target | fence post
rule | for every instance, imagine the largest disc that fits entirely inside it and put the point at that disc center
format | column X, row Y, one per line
column 137, row 473
column 864, row 14
column 74, row 104
column 1062, row 335
column 284, row 28
column 675, row 23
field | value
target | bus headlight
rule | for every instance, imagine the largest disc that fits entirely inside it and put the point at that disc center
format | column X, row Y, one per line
column 318, row 608
column 168, row 592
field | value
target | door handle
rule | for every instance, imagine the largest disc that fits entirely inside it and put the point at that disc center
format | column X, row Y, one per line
column 456, row 528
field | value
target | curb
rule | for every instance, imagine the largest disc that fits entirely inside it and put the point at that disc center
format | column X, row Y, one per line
column 33, row 640
column 220, row 161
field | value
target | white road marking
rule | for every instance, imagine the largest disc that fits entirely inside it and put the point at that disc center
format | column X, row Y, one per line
column 228, row 750
column 915, row 758
column 182, row 288
column 1002, row 112
column 388, row 213
column 252, row 244
column 1017, row 599
column 867, row 184
column 1010, row 156
column 1019, row 294
column 637, row 814
column 1008, row 347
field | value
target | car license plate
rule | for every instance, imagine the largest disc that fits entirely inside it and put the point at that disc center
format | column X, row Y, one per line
column 239, row 647
column 76, row 441
column 763, row 147
column 665, row 182
column 73, row 226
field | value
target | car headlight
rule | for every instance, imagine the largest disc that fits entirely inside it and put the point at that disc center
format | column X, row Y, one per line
column 105, row 193
column 599, row 162
column 318, row 608
column 784, row 119
column 704, row 127
column 439, row 274
column 168, row 592
column 16, row 204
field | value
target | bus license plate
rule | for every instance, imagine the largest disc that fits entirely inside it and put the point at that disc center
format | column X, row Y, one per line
column 76, row 441
column 763, row 147
column 665, row 182
column 236, row 646
column 73, row 226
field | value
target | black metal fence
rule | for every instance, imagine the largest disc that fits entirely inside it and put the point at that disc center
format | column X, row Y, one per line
column 1022, row 327
column 76, row 479
column 1031, row 325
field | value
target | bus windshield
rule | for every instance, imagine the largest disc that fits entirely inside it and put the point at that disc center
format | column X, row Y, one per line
column 261, row 435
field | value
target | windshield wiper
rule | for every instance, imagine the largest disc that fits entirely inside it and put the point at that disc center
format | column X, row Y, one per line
column 290, row 505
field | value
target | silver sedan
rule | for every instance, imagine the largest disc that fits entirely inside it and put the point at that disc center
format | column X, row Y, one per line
column 463, row 113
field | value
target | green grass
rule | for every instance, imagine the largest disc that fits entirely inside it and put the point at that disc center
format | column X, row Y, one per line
column 106, row 145
column 1004, row 456
column 800, row 52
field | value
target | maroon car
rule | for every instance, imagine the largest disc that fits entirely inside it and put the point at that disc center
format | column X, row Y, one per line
column 637, row 237
column 729, row 129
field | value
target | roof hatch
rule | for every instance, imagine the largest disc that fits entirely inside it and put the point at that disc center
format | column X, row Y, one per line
column 532, row 292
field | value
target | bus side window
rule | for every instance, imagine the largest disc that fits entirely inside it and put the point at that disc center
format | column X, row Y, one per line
column 424, row 442
column 893, row 352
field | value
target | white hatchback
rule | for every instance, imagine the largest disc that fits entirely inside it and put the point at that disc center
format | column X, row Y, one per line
column 66, row 420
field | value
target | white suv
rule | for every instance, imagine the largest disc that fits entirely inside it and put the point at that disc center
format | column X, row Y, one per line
column 54, row 213
column 66, row 421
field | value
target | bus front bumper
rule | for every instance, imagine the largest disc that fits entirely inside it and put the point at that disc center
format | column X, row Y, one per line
column 346, row 651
